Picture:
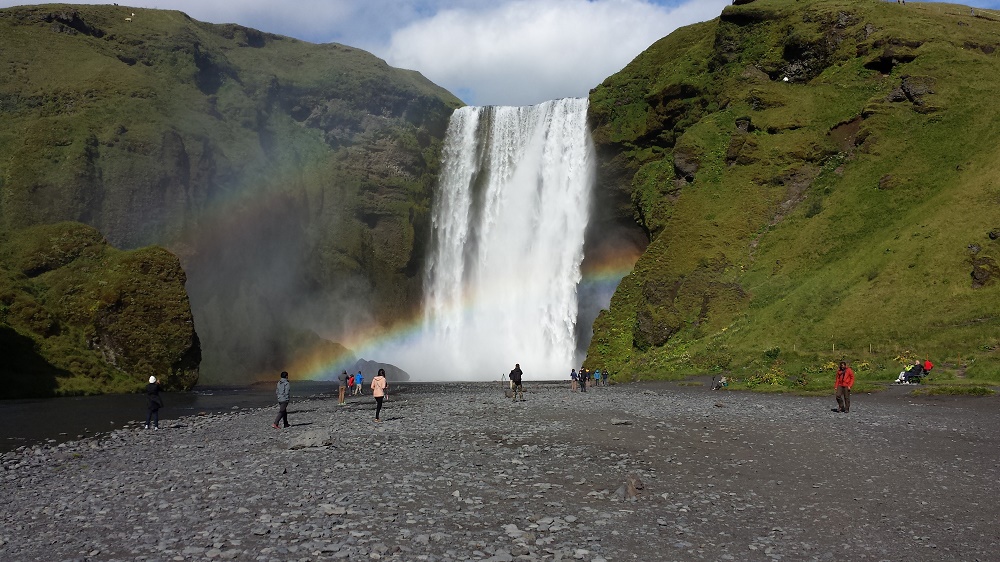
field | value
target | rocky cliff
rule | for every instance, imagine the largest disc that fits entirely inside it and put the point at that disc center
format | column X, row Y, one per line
column 293, row 180
column 816, row 181
column 80, row 317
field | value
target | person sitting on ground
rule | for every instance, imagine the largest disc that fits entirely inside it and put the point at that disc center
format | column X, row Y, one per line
column 911, row 375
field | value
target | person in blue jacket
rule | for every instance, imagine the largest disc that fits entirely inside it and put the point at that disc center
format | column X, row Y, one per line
column 358, row 379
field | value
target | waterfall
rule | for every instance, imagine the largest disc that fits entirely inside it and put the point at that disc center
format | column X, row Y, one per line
column 507, row 243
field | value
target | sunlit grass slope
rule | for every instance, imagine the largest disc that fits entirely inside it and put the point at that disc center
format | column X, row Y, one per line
column 819, row 182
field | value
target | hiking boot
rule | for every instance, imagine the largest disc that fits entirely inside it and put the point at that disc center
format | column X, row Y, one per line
column 147, row 426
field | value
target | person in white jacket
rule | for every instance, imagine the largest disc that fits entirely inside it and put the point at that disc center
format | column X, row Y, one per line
column 284, row 394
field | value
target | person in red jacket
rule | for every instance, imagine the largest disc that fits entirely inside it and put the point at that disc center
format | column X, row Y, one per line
column 845, row 380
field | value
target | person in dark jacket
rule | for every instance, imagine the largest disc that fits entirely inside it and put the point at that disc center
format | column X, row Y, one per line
column 342, row 388
column 153, row 403
column 284, row 394
column 515, row 381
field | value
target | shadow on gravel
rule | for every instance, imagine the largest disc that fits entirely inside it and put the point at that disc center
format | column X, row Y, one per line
column 299, row 424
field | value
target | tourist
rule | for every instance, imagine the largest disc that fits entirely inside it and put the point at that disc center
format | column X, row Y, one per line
column 843, row 384
column 597, row 377
column 379, row 386
column 583, row 379
column 572, row 380
column 153, row 403
column 284, row 394
column 350, row 385
column 342, row 389
column 515, row 382
column 359, row 380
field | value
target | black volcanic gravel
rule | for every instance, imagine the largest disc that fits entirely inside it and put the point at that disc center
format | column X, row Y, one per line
column 458, row 472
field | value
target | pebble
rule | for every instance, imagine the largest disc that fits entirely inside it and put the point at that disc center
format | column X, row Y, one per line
column 457, row 472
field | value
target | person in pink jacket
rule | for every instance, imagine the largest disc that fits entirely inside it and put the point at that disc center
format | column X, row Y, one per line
column 379, row 386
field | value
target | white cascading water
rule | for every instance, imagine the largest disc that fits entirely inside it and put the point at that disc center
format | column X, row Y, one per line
column 508, row 232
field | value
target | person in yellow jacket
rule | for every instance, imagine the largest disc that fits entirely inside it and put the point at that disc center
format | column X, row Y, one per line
column 379, row 386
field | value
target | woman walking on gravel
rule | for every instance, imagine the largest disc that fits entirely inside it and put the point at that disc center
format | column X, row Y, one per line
column 379, row 386
column 153, row 403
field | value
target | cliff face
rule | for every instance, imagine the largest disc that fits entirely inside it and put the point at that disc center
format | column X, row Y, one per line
column 814, row 180
column 292, row 179
column 80, row 317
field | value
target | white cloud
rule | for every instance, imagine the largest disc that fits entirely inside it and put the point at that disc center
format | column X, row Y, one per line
column 527, row 51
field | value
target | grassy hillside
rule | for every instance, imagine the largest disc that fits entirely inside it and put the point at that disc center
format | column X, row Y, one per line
column 293, row 179
column 817, row 182
column 79, row 317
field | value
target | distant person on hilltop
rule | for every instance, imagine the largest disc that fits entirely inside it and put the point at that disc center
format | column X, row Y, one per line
column 153, row 403
column 284, row 394
column 842, row 388
column 515, row 382
column 379, row 386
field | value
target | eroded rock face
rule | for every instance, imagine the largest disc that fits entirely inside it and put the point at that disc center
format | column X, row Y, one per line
column 985, row 271
column 287, row 190
column 89, row 318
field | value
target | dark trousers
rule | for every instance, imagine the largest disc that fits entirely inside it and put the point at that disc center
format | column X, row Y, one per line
column 843, row 395
column 583, row 385
column 378, row 405
column 153, row 415
column 282, row 414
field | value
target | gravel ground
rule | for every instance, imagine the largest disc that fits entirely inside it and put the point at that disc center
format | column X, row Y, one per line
column 458, row 472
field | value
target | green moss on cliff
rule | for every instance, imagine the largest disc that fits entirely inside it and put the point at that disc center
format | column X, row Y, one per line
column 81, row 317
column 815, row 178
column 291, row 178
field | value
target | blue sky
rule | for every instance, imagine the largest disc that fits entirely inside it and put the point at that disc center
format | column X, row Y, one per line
column 504, row 52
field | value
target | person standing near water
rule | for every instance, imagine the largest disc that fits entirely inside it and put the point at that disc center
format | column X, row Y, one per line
column 515, row 382
column 379, row 386
column 359, row 380
column 153, row 403
column 572, row 380
column 284, row 394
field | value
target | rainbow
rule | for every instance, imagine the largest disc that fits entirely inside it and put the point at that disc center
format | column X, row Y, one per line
column 404, row 338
